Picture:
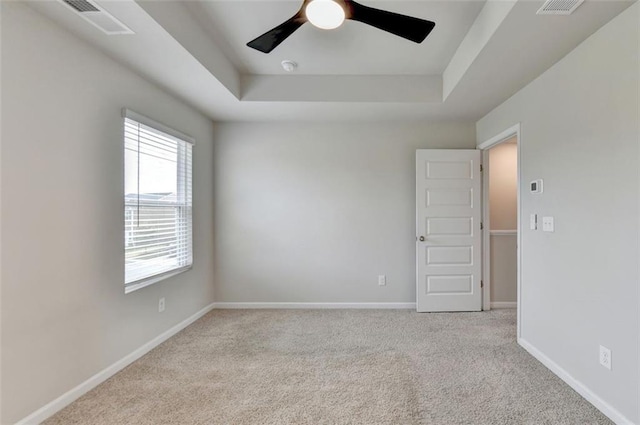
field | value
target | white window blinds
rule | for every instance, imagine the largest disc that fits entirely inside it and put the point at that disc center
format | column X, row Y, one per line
column 157, row 199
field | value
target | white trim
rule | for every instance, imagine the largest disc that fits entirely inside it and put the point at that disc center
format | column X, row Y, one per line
column 516, row 131
column 503, row 304
column 578, row 386
column 519, row 233
column 505, row 135
column 128, row 113
column 486, row 239
column 277, row 305
column 513, row 232
column 70, row 396
column 143, row 283
column 417, row 229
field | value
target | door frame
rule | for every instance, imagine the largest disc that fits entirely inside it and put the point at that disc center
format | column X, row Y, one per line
column 486, row 219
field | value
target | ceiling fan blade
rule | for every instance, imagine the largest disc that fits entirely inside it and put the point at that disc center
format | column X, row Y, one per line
column 271, row 39
column 414, row 29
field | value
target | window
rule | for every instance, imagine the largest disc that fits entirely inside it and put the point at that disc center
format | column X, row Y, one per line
column 157, row 201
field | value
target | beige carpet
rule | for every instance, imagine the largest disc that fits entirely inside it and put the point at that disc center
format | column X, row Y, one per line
column 336, row 367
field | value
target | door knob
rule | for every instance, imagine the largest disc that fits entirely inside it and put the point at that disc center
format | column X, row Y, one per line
column 421, row 238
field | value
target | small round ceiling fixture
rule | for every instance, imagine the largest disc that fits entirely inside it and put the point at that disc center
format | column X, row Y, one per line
column 325, row 14
column 288, row 65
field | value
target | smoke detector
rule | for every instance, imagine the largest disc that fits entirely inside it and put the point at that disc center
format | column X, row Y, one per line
column 559, row 7
column 288, row 65
column 97, row 16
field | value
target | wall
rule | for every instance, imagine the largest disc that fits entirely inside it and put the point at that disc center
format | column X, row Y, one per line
column 579, row 132
column 65, row 316
column 503, row 186
column 503, row 199
column 314, row 213
column 504, row 269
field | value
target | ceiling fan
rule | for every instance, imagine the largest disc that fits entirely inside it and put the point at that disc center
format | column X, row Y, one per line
column 330, row 14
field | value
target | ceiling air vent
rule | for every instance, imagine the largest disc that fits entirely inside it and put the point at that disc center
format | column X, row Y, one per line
column 98, row 17
column 559, row 7
column 82, row 5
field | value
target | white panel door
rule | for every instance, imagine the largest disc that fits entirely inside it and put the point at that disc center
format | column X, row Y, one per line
column 448, row 237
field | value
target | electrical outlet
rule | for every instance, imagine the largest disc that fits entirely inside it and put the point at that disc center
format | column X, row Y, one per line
column 605, row 357
column 382, row 280
column 161, row 305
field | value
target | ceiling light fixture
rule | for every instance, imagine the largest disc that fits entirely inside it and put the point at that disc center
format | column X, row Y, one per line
column 325, row 14
column 329, row 14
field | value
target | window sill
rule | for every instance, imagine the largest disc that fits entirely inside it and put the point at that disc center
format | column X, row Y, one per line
column 134, row 286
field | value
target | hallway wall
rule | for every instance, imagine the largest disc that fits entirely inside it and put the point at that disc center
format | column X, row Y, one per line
column 503, row 200
column 580, row 126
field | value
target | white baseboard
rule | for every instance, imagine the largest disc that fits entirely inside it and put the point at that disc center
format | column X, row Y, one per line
column 503, row 304
column 578, row 386
column 70, row 396
column 234, row 305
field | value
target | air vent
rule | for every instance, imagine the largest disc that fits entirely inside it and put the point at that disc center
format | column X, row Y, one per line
column 98, row 17
column 82, row 5
column 559, row 7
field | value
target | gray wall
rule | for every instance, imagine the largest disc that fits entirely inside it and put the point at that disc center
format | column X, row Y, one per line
column 65, row 316
column 504, row 268
column 314, row 213
column 580, row 134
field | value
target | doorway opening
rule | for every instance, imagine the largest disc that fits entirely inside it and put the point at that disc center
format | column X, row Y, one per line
column 501, row 221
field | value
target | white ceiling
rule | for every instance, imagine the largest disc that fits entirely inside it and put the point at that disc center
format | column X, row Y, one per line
column 479, row 54
column 352, row 49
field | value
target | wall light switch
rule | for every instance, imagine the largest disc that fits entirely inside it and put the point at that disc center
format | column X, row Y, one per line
column 533, row 222
column 382, row 280
column 547, row 224
column 161, row 305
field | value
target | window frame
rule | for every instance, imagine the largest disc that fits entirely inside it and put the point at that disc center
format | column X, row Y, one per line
column 148, row 122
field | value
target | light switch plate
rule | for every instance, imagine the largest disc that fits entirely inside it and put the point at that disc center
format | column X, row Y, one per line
column 533, row 222
column 547, row 224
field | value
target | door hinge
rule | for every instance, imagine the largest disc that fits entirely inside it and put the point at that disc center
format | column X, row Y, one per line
column 481, row 168
column 481, row 226
column 482, row 284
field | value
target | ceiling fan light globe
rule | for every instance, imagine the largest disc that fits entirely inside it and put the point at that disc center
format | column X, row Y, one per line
column 325, row 14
